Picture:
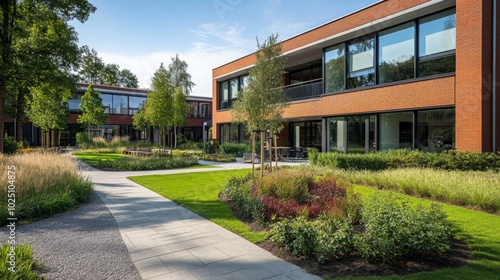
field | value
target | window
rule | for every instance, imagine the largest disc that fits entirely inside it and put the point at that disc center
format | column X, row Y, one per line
column 396, row 51
column 361, row 71
column 205, row 110
column 334, row 68
column 336, row 134
column 120, row 104
column 107, row 102
column 234, row 88
column 224, row 95
column 396, row 130
column 135, row 102
column 437, row 41
column 243, row 82
column 436, row 130
column 193, row 109
column 229, row 133
column 356, row 132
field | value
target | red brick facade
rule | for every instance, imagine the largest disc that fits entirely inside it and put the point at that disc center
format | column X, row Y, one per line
column 469, row 90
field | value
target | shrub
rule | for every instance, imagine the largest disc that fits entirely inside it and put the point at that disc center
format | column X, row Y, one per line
column 394, row 229
column 25, row 263
column 189, row 145
column 83, row 140
column 217, row 157
column 119, row 141
column 324, row 238
column 287, row 184
column 153, row 163
column 235, row 149
column 10, row 146
column 349, row 161
column 242, row 192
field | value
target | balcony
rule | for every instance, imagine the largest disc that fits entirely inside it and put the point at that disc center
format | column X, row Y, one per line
column 304, row 90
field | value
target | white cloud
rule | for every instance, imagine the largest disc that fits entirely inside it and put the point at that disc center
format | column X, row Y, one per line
column 206, row 53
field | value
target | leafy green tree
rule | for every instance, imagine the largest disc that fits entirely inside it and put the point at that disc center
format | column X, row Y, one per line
column 33, row 33
column 159, row 105
column 91, row 67
column 181, row 110
column 92, row 109
column 139, row 120
column 179, row 75
column 262, row 102
column 128, row 79
column 48, row 108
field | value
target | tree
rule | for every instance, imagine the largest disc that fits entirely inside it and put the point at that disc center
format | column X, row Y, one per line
column 159, row 105
column 262, row 102
column 25, row 20
column 181, row 110
column 93, row 70
column 48, row 109
column 92, row 109
column 179, row 75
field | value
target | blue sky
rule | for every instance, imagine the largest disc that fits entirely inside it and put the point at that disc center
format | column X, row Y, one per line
column 139, row 35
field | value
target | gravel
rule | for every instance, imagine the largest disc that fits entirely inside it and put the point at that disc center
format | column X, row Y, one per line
column 80, row 244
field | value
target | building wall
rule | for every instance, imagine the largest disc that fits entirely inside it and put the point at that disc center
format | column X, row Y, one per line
column 469, row 90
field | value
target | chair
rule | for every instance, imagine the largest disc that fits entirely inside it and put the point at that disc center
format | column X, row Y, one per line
column 285, row 153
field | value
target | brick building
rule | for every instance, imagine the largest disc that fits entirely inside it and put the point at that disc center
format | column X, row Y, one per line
column 122, row 104
column 419, row 74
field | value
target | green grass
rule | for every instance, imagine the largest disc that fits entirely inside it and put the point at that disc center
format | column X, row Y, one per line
column 199, row 192
column 95, row 159
column 25, row 264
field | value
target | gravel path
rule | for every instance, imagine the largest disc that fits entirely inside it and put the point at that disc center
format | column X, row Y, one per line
column 80, row 244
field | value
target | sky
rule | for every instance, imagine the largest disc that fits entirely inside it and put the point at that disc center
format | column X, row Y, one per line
column 140, row 35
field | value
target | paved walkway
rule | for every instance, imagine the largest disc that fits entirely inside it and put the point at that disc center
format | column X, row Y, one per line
column 166, row 241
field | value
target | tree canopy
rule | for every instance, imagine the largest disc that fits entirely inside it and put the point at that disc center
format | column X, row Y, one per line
column 179, row 75
column 36, row 46
column 262, row 102
column 92, row 109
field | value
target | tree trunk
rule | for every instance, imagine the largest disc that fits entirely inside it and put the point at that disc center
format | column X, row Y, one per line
column 253, row 155
column 276, row 149
column 20, row 114
column 171, row 147
column 175, row 137
column 262, row 159
column 5, row 46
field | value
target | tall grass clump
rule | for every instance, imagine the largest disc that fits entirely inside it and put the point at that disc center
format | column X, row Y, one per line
column 45, row 184
column 476, row 189
column 25, row 263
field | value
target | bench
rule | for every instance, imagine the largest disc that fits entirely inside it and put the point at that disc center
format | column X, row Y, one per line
column 247, row 158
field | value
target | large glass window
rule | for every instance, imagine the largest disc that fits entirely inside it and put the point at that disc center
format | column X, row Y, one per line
column 336, row 134
column 396, row 131
column 436, row 130
column 437, row 42
column 396, row 51
column 193, row 109
column 356, row 135
column 107, row 102
column 135, row 102
column 234, row 88
column 205, row 110
column 120, row 104
column 243, row 81
column 334, row 68
column 224, row 95
column 361, row 71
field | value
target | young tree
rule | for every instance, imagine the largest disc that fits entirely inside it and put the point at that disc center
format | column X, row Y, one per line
column 179, row 75
column 262, row 102
column 92, row 109
column 181, row 110
column 159, row 105
column 48, row 109
column 19, row 21
column 128, row 79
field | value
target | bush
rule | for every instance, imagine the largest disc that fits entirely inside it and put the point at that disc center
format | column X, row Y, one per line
column 25, row 263
column 83, row 140
column 287, row 184
column 324, row 238
column 152, row 163
column 242, row 192
column 235, row 149
column 394, row 229
column 404, row 158
column 189, row 145
column 217, row 157
column 10, row 146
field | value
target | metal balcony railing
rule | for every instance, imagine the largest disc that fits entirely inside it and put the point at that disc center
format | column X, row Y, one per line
column 304, row 90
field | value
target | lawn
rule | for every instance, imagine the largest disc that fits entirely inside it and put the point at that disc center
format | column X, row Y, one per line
column 94, row 159
column 199, row 193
